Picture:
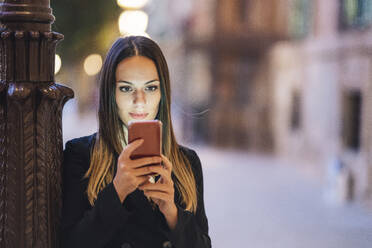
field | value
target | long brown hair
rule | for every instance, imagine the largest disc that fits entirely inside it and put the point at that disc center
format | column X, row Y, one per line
column 108, row 142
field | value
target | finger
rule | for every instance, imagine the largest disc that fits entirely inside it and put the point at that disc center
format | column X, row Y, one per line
column 157, row 201
column 157, row 169
column 146, row 161
column 161, row 180
column 155, row 187
column 146, row 170
column 167, row 164
column 138, row 181
column 166, row 179
column 158, row 195
column 131, row 147
column 143, row 180
column 165, row 191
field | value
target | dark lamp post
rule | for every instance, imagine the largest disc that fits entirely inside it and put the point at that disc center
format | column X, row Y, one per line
column 30, row 126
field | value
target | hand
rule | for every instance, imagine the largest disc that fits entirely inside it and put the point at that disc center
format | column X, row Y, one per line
column 162, row 192
column 133, row 172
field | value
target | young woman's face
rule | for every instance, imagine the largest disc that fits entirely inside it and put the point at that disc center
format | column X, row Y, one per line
column 137, row 89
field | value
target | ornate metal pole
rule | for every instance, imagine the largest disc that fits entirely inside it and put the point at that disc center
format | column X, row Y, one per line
column 30, row 126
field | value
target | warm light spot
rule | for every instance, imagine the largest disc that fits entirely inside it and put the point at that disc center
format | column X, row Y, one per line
column 132, row 4
column 133, row 22
column 93, row 64
column 57, row 64
column 137, row 34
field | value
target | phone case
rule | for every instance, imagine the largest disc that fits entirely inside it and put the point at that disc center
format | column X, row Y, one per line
column 151, row 132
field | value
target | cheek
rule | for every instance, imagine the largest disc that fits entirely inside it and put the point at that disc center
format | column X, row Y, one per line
column 155, row 100
column 122, row 101
column 153, row 105
column 123, row 105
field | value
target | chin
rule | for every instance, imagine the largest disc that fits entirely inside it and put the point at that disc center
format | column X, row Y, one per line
column 140, row 119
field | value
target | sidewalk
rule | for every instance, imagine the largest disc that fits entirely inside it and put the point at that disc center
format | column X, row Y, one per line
column 258, row 202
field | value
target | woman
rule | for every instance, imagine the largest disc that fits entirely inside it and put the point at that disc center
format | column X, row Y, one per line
column 105, row 193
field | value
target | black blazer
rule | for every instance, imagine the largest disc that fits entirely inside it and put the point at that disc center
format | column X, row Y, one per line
column 133, row 224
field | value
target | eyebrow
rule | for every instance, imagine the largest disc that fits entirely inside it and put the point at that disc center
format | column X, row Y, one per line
column 123, row 81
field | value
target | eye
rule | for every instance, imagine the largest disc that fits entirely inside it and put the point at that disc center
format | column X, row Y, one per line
column 152, row 88
column 125, row 88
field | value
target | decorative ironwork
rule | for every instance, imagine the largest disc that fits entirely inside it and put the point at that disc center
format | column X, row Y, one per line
column 30, row 126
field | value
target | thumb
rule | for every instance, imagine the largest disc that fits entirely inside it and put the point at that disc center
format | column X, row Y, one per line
column 127, row 151
column 157, row 201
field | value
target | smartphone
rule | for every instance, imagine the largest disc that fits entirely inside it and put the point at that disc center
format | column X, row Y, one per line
column 151, row 132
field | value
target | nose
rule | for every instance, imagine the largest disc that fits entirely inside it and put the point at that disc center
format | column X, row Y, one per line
column 139, row 97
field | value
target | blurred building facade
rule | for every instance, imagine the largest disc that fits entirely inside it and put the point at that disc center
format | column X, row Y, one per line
column 231, row 38
column 291, row 77
column 322, row 94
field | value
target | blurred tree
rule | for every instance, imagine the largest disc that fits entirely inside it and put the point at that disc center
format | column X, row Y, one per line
column 89, row 26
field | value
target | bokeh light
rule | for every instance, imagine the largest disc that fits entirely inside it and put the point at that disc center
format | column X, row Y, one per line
column 137, row 34
column 133, row 22
column 132, row 4
column 92, row 64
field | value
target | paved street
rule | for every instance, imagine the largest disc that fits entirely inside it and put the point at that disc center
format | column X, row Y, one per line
column 257, row 202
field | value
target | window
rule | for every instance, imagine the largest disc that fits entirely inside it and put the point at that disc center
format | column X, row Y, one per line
column 296, row 111
column 352, row 103
column 300, row 18
column 355, row 14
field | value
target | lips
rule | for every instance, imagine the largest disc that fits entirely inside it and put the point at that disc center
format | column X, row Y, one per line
column 138, row 116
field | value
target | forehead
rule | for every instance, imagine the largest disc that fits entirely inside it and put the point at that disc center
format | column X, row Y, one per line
column 136, row 68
